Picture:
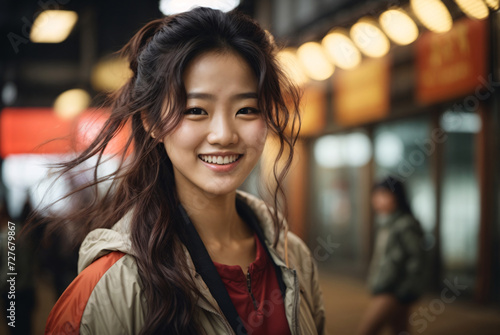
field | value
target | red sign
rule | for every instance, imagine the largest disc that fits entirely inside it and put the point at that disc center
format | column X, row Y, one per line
column 33, row 130
column 40, row 130
column 450, row 65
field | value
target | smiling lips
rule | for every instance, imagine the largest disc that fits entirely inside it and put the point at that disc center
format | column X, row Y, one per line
column 220, row 160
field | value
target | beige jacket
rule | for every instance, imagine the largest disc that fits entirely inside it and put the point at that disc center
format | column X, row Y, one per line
column 111, row 301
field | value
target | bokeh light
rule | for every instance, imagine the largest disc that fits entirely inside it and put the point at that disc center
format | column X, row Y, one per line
column 314, row 61
column 369, row 38
column 400, row 28
column 53, row 26
column 71, row 103
column 475, row 9
column 341, row 50
column 291, row 64
column 169, row 7
column 433, row 14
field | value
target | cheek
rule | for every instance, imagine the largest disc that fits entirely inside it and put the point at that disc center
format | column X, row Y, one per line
column 185, row 137
column 255, row 136
column 378, row 201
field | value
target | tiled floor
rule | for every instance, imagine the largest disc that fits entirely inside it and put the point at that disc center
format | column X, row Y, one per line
column 345, row 300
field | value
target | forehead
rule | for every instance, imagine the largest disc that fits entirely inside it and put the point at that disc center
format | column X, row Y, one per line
column 213, row 72
column 382, row 191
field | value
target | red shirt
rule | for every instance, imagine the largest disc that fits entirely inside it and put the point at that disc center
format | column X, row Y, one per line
column 257, row 295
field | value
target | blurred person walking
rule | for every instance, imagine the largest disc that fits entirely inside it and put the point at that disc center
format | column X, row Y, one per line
column 396, row 274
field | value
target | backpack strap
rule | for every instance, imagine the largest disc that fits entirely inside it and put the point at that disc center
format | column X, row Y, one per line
column 206, row 268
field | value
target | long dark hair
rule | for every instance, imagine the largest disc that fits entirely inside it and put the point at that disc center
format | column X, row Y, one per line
column 144, row 184
column 396, row 187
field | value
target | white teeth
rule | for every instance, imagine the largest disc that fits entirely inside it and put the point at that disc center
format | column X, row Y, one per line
column 219, row 160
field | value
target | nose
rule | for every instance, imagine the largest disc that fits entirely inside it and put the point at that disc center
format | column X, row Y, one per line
column 222, row 131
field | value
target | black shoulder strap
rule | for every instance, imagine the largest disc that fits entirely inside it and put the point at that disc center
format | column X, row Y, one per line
column 206, row 268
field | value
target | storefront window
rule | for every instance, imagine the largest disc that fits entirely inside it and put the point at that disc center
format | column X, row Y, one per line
column 338, row 173
column 403, row 150
column 460, row 196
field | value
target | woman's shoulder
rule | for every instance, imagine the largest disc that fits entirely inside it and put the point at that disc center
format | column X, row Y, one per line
column 303, row 259
column 407, row 228
column 100, row 299
column 296, row 247
column 406, row 221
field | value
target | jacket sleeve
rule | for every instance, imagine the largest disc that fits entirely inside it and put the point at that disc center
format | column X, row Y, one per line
column 402, row 271
column 411, row 286
column 116, row 305
column 319, row 310
column 103, row 299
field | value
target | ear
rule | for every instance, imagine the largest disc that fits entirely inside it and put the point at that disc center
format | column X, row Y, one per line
column 146, row 126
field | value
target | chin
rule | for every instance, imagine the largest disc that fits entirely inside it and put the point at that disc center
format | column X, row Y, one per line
column 220, row 188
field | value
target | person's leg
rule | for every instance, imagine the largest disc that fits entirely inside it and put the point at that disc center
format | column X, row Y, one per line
column 380, row 311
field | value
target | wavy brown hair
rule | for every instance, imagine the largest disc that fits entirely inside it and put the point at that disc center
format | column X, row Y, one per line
column 144, row 184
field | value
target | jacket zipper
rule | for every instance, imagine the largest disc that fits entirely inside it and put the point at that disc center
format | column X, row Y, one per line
column 249, row 287
column 296, row 302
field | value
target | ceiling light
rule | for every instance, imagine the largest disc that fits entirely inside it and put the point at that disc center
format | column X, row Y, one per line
column 53, row 26
column 400, row 28
column 169, row 7
column 291, row 65
column 341, row 50
column 110, row 74
column 389, row 149
column 369, row 38
column 71, row 103
column 357, row 149
column 328, row 152
column 475, row 9
column 433, row 14
column 493, row 4
column 314, row 61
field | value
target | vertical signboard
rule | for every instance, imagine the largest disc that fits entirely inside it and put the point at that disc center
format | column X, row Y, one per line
column 362, row 95
column 452, row 64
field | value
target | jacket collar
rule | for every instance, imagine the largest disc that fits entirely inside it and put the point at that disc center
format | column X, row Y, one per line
column 265, row 219
column 102, row 241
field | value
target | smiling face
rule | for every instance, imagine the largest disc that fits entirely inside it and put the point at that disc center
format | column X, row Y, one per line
column 222, row 132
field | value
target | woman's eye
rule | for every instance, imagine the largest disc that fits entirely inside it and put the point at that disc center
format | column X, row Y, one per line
column 195, row 111
column 248, row 111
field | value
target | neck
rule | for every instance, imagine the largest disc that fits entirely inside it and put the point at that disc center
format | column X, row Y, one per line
column 214, row 216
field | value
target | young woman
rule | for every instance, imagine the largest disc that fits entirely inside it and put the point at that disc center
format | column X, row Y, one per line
column 397, row 268
column 173, row 247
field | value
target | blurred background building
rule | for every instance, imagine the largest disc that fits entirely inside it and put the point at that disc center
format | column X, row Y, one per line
column 407, row 88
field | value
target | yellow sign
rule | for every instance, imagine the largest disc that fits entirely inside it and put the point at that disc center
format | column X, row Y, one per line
column 362, row 95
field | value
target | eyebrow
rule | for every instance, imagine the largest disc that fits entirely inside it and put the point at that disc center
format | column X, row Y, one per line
column 208, row 96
